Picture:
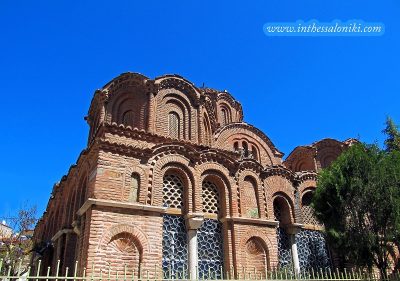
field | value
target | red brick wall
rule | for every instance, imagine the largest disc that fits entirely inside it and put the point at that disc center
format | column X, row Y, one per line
column 205, row 151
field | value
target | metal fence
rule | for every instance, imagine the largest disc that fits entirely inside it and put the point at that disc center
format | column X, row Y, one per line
column 39, row 273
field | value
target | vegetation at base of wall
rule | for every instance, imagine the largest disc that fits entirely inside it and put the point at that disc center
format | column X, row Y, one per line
column 358, row 200
column 16, row 244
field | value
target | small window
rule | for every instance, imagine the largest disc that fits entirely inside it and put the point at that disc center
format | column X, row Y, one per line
column 236, row 146
column 174, row 125
column 134, row 190
column 254, row 152
column 224, row 117
column 128, row 118
column 245, row 149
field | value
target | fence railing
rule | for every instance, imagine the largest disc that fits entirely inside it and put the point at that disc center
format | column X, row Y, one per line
column 93, row 273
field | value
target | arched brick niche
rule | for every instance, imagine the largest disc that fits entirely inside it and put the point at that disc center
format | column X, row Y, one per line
column 122, row 246
column 256, row 256
column 129, row 108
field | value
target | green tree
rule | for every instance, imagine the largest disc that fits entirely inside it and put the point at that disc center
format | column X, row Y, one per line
column 392, row 133
column 358, row 200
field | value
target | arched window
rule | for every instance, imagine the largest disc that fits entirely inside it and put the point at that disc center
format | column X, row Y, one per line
column 282, row 214
column 236, row 146
column 209, row 239
column 174, row 242
column 210, row 198
column 174, row 126
column 224, row 116
column 207, row 130
column 306, row 209
column 172, row 191
column 254, row 153
column 134, row 189
column 128, row 118
column 245, row 149
column 282, row 211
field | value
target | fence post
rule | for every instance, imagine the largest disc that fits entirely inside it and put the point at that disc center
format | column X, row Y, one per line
column 57, row 269
column 48, row 273
column 75, row 270
column 28, row 273
column 38, row 270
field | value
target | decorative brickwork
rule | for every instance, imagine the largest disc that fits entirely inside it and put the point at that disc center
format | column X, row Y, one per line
column 161, row 150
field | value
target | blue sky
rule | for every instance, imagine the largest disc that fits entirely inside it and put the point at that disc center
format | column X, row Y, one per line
column 55, row 54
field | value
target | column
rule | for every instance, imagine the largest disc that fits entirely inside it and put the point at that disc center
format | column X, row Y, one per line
column 295, row 255
column 193, row 222
column 292, row 230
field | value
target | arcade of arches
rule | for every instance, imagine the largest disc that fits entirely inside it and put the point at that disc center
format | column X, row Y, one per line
column 172, row 177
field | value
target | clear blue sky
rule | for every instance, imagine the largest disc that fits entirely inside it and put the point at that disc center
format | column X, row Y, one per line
column 54, row 54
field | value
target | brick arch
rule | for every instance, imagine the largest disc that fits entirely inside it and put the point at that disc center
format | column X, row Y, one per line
column 224, row 113
column 236, row 108
column 180, row 166
column 274, row 184
column 81, row 191
column 132, row 99
column 142, row 185
column 169, row 99
column 155, row 172
column 267, row 243
column 180, row 83
column 206, row 130
column 307, row 190
column 222, row 183
column 206, row 168
column 141, row 238
column 307, row 184
column 109, row 242
column 289, row 204
column 268, row 152
column 260, row 195
column 307, row 213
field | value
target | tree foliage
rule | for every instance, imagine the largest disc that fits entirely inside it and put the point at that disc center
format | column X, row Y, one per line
column 392, row 133
column 16, row 243
column 358, row 200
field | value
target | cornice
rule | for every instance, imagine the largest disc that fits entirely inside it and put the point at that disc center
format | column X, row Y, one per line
column 116, row 204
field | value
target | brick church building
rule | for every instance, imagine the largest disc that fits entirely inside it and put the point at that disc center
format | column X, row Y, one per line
column 173, row 178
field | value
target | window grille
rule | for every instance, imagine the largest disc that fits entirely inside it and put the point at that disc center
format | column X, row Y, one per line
column 210, row 198
column 173, row 125
column 210, row 247
column 172, row 192
column 307, row 211
column 312, row 250
column 174, row 261
column 284, row 249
